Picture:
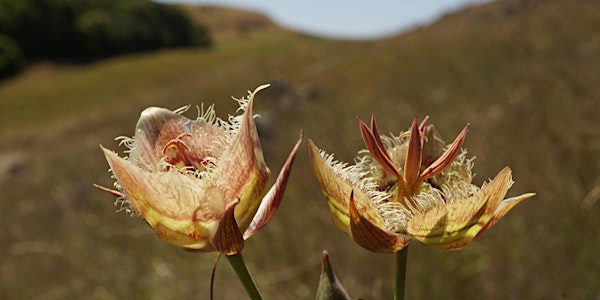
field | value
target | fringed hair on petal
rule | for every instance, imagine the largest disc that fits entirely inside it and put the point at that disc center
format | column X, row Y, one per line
column 390, row 141
column 455, row 181
column 125, row 205
column 235, row 122
column 510, row 182
column 396, row 147
column 126, row 141
column 461, row 168
column 209, row 168
column 122, row 203
column 189, row 171
column 356, row 175
column 458, row 190
column 209, row 115
column 182, row 109
column 367, row 171
column 395, row 215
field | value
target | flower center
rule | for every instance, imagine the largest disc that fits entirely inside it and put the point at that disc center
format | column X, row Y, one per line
column 180, row 155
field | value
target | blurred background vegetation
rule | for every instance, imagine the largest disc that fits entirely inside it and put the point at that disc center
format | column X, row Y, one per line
column 77, row 30
column 524, row 73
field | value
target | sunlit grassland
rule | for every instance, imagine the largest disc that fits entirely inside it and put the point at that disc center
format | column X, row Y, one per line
column 525, row 78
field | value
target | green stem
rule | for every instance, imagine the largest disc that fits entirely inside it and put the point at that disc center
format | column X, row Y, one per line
column 400, row 273
column 237, row 263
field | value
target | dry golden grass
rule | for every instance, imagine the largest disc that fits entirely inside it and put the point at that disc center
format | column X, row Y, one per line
column 525, row 74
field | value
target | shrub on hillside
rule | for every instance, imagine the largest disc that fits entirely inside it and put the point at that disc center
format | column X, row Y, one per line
column 135, row 26
column 11, row 58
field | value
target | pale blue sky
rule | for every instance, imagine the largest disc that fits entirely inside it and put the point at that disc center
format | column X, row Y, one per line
column 347, row 18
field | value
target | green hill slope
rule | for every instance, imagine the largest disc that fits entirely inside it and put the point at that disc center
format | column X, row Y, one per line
column 524, row 73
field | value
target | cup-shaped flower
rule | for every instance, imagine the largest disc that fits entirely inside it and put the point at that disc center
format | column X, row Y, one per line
column 198, row 183
column 413, row 186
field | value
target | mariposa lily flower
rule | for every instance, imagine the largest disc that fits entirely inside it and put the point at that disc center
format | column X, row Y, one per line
column 411, row 187
column 198, row 183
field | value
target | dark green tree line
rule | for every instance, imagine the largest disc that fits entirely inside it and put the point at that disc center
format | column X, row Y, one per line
column 78, row 30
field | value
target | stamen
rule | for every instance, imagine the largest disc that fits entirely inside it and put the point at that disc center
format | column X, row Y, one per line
column 181, row 150
column 423, row 125
column 407, row 134
column 176, row 142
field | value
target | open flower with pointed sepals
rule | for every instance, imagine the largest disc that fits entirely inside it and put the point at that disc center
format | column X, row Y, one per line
column 410, row 187
column 198, row 183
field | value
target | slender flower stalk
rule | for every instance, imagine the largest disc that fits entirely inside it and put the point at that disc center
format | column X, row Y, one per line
column 401, row 258
column 239, row 266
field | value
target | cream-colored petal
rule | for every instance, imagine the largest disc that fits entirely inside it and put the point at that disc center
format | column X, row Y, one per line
column 155, row 128
column 196, row 142
column 496, row 191
column 172, row 193
column 448, row 226
column 241, row 168
column 208, row 141
column 454, row 225
column 336, row 190
column 181, row 209
column 505, row 206
column 195, row 239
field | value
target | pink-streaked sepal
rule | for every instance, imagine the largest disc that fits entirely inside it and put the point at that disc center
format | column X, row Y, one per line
column 375, row 146
column 447, row 157
column 242, row 168
column 228, row 239
column 272, row 199
column 412, row 164
column 112, row 192
column 370, row 236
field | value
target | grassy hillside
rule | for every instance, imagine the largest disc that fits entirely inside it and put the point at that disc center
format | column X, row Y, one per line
column 524, row 73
